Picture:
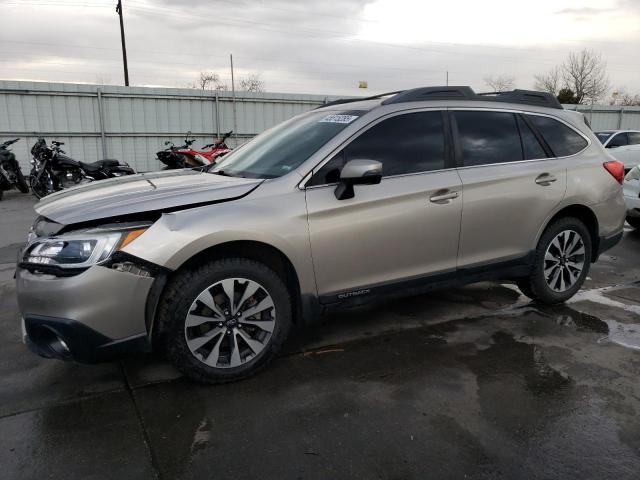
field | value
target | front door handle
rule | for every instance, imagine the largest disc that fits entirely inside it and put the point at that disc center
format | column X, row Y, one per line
column 443, row 196
column 545, row 179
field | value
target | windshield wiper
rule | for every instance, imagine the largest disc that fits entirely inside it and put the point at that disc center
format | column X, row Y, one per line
column 221, row 172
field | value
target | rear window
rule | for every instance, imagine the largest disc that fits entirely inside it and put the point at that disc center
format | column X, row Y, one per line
column 563, row 140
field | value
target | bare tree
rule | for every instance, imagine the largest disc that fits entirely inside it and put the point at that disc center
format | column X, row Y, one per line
column 252, row 83
column 621, row 97
column 211, row 81
column 585, row 74
column 500, row 83
column 549, row 82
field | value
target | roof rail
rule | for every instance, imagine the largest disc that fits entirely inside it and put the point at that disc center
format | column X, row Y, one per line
column 357, row 99
column 527, row 97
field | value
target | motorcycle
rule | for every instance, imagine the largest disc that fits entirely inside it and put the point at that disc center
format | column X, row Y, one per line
column 52, row 170
column 186, row 157
column 10, row 173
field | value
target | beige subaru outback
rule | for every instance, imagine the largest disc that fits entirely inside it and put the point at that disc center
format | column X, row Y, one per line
column 391, row 195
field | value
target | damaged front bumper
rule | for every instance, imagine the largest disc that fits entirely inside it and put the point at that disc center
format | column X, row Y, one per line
column 93, row 316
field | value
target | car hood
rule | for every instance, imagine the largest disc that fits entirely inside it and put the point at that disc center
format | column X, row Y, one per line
column 145, row 192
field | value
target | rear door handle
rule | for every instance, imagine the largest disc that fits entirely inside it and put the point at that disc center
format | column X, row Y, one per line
column 443, row 196
column 545, row 179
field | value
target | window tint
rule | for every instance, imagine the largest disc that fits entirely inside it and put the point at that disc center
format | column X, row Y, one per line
column 530, row 145
column 562, row 139
column 634, row 138
column 488, row 137
column 408, row 143
column 618, row 140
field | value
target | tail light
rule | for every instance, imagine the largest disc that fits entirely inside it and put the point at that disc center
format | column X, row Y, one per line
column 616, row 169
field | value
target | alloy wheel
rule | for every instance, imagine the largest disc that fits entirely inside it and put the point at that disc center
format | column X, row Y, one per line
column 230, row 323
column 564, row 261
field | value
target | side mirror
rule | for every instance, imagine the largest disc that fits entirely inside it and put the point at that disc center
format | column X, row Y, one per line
column 357, row 172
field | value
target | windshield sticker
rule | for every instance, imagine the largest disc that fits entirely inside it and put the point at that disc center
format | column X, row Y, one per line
column 338, row 119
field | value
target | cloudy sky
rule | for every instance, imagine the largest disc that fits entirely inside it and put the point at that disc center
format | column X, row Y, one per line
column 322, row 47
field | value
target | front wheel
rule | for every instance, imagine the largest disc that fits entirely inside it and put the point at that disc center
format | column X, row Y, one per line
column 39, row 186
column 224, row 320
column 561, row 264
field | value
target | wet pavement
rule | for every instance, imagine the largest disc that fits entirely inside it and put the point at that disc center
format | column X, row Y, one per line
column 475, row 382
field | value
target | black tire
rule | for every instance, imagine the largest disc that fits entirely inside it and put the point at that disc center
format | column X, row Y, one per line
column 536, row 286
column 22, row 184
column 180, row 294
column 38, row 189
column 634, row 222
column 525, row 287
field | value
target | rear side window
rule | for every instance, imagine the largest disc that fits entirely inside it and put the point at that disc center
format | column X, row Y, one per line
column 634, row 138
column 408, row 143
column 563, row 140
column 531, row 147
column 618, row 140
column 488, row 137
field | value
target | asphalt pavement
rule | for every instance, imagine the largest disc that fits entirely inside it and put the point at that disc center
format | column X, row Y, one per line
column 475, row 382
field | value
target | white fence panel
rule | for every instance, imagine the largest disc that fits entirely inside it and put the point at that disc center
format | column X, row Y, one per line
column 133, row 123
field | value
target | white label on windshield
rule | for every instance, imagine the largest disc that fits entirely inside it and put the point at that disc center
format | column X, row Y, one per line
column 338, row 119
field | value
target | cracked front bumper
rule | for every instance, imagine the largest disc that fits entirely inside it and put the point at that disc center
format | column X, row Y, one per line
column 88, row 317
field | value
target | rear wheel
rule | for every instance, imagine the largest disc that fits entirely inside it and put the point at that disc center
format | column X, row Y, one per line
column 225, row 320
column 634, row 222
column 561, row 264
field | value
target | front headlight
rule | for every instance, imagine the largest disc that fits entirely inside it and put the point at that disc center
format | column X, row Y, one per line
column 79, row 250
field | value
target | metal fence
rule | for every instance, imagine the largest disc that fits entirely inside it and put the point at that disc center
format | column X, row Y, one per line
column 132, row 123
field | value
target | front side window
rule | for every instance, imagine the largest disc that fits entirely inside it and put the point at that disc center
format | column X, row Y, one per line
column 618, row 140
column 634, row 138
column 562, row 140
column 407, row 143
column 488, row 137
column 286, row 146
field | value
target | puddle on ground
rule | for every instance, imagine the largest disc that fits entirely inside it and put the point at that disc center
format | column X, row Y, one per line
column 623, row 334
column 510, row 357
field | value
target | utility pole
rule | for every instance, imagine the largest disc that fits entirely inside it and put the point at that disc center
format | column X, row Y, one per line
column 447, row 78
column 233, row 93
column 124, row 46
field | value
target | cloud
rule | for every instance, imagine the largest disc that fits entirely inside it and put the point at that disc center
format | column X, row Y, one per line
column 322, row 47
column 585, row 11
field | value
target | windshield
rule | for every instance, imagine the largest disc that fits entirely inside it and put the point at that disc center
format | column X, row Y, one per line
column 286, row 146
column 603, row 136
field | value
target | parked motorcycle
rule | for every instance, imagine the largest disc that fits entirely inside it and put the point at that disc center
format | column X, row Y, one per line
column 10, row 173
column 52, row 170
column 186, row 157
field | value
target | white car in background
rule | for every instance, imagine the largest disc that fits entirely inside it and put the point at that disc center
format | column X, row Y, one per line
column 631, row 189
column 624, row 145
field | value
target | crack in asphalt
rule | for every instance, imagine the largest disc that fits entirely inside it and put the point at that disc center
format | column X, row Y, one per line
column 145, row 435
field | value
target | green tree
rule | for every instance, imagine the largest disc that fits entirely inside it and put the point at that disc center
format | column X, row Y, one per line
column 566, row 95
